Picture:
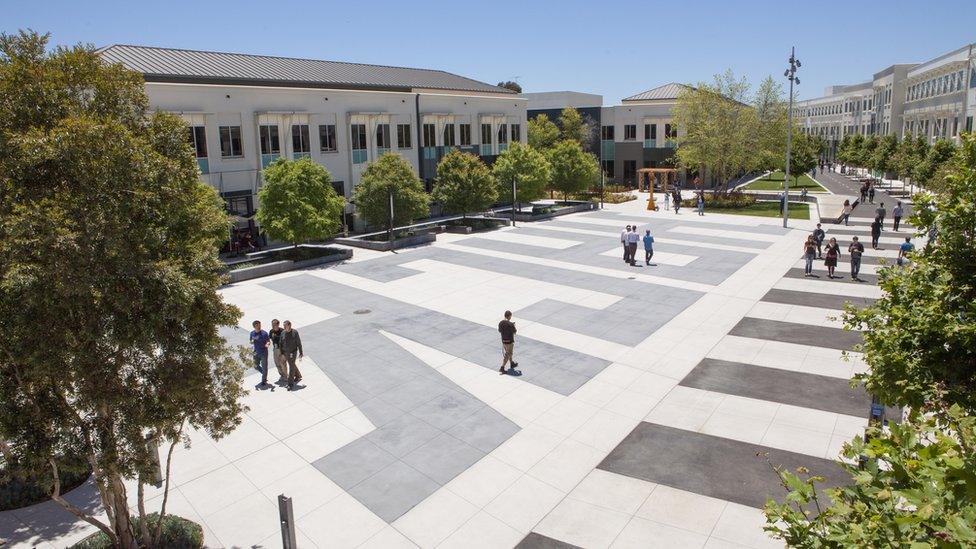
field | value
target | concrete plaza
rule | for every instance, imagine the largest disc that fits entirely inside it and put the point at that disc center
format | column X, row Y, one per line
column 646, row 394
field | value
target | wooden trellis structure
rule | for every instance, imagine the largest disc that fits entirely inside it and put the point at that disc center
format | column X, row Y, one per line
column 650, row 176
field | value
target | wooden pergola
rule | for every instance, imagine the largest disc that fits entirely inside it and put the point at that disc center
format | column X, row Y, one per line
column 651, row 176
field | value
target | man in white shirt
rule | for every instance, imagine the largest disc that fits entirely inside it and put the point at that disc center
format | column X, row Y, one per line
column 632, row 239
column 623, row 242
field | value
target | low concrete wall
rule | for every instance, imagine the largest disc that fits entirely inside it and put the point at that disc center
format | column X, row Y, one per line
column 464, row 229
column 385, row 245
column 268, row 269
column 562, row 210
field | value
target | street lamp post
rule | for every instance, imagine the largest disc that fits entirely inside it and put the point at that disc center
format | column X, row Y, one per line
column 790, row 74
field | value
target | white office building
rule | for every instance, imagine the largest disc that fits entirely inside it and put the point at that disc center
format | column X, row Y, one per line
column 245, row 111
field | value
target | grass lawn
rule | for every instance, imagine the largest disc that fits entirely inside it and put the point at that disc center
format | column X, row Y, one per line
column 774, row 182
column 767, row 209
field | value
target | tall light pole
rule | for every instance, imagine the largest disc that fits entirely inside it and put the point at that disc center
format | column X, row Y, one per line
column 790, row 74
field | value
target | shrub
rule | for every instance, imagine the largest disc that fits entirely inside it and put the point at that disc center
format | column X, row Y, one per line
column 390, row 173
column 728, row 201
column 177, row 533
column 298, row 202
column 17, row 492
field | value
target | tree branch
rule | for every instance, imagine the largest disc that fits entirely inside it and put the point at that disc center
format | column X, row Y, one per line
column 71, row 508
column 169, row 460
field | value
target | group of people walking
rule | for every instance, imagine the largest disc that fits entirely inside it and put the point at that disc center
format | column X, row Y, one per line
column 673, row 199
column 286, row 349
column 629, row 239
column 814, row 249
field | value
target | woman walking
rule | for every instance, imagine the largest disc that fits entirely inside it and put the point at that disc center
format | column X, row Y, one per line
column 831, row 255
column 701, row 202
column 847, row 212
column 809, row 253
column 875, row 232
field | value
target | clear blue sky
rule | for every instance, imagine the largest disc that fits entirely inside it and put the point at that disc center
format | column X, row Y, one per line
column 614, row 48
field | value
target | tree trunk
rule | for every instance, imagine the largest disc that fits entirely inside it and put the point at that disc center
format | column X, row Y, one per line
column 122, row 523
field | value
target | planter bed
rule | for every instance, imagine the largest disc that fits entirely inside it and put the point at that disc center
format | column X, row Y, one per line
column 541, row 212
column 382, row 244
column 475, row 225
column 286, row 259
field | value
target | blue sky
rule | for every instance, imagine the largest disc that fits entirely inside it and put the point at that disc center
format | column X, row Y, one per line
column 614, row 48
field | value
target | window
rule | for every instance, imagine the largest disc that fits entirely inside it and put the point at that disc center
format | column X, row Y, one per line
column 198, row 140
column 465, row 134
column 299, row 139
column 502, row 134
column 630, row 171
column 955, row 126
column 230, row 142
column 403, row 136
column 430, row 135
column 606, row 133
column 449, row 135
column 671, row 131
column 969, row 123
column 486, row 134
column 382, row 136
column 608, row 168
column 650, row 131
column 327, row 138
column 358, row 133
column 516, row 133
column 270, row 143
column 630, row 132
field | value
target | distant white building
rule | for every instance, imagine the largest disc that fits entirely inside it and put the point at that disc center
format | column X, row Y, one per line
column 245, row 111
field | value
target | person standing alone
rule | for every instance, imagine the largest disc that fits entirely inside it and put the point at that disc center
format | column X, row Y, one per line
column 291, row 347
column 701, row 202
column 507, row 329
column 648, row 246
column 260, row 340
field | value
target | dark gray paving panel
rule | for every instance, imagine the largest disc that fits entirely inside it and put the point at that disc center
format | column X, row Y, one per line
column 845, row 276
column 811, row 299
column 711, row 466
column 538, row 541
column 403, row 435
column 483, row 430
column 394, row 490
column 354, row 463
column 443, row 458
column 377, row 271
column 802, row 334
column 794, row 388
column 662, row 230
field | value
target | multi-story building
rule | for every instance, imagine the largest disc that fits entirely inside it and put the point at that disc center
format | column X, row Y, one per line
column 935, row 99
column 245, row 111
column 638, row 133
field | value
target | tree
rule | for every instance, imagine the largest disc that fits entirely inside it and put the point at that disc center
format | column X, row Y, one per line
column 298, row 202
column 543, row 133
column 527, row 167
column 391, row 173
column 108, row 281
column 573, row 169
column 881, row 157
column 920, row 345
column 575, row 126
column 464, row 184
column 850, row 148
column 768, row 137
column 936, row 157
column 803, row 154
column 511, row 85
column 863, row 155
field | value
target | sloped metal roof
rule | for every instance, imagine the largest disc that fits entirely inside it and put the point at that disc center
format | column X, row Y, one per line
column 667, row 91
column 207, row 67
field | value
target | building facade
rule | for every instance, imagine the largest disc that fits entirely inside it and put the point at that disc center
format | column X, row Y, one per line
column 638, row 133
column 246, row 111
column 935, row 99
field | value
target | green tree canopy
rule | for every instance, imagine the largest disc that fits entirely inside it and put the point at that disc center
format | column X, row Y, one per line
column 576, row 127
column 803, row 153
column 511, row 85
column 298, row 203
column 863, row 155
column 108, row 281
column 390, row 173
column 849, row 148
column 543, row 133
column 526, row 166
column 927, row 172
column 573, row 169
column 767, row 140
column 464, row 184
column 883, row 154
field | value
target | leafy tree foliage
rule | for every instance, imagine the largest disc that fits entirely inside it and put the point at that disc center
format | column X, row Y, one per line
column 464, row 184
column 575, row 126
column 803, row 154
column 573, row 169
column 849, row 149
column 108, row 281
column 908, row 154
column 511, row 85
column 882, row 156
column 927, row 172
column 298, row 202
column 526, row 166
column 768, row 137
column 543, row 133
column 391, row 173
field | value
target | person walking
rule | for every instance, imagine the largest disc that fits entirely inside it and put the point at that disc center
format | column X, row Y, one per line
column 648, row 247
column 701, row 202
column 896, row 214
column 279, row 358
column 809, row 253
column 831, row 255
column 818, row 236
column 667, row 201
column 906, row 248
column 507, row 329
column 871, row 193
column 848, row 209
column 291, row 347
column 782, row 202
column 864, row 192
column 623, row 240
column 856, row 249
column 875, row 232
column 260, row 340
column 880, row 213
column 676, row 198
column 632, row 239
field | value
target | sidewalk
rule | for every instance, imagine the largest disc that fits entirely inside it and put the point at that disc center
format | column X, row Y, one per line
column 843, row 185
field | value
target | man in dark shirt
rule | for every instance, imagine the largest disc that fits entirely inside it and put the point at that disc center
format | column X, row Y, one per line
column 507, row 329
column 291, row 347
column 818, row 237
column 260, row 340
column 276, row 355
column 856, row 249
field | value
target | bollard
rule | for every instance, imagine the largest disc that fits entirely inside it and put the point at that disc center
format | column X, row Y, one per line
column 287, row 516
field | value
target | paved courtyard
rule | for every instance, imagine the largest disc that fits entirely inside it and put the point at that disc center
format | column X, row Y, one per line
column 652, row 400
